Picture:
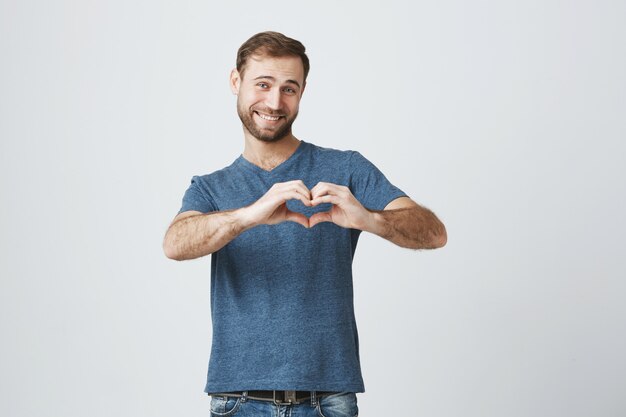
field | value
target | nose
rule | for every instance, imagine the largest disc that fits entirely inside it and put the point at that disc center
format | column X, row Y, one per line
column 272, row 100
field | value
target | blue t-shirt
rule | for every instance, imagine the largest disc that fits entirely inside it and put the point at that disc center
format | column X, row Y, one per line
column 281, row 295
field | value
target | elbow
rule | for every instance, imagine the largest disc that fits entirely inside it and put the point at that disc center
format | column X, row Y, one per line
column 438, row 238
column 170, row 253
column 170, row 250
column 179, row 251
column 441, row 239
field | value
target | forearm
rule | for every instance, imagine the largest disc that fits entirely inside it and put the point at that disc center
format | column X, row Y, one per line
column 203, row 234
column 414, row 227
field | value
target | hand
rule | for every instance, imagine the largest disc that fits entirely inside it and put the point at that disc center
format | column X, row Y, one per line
column 346, row 211
column 272, row 207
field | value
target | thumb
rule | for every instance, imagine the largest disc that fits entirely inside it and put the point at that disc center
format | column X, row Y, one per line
column 322, row 216
column 300, row 218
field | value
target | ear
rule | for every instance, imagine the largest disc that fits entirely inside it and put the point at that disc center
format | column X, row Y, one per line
column 235, row 80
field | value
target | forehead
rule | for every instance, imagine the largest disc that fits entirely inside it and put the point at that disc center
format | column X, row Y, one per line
column 281, row 68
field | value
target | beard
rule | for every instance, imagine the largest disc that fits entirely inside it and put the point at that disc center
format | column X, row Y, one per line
column 264, row 134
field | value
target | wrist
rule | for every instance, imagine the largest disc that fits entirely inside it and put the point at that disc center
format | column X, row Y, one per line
column 244, row 218
column 374, row 222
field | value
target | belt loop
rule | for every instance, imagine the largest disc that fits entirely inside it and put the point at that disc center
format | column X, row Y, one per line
column 313, row 399
column 244, row 396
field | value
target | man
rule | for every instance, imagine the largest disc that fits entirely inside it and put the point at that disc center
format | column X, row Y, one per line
column 282, row 223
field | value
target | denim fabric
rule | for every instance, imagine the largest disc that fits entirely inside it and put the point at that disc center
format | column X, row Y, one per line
column 343, row 404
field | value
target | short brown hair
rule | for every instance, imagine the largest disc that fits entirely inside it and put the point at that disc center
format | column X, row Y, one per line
column 273, row 44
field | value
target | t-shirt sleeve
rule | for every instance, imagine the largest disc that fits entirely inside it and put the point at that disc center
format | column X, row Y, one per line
column 198, row 197
column 369, row 185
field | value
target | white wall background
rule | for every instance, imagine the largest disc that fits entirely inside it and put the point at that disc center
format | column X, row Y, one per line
column 506, row 118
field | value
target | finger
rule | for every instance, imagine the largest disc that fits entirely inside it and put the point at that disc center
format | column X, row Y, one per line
column 328, row 198
column 319, row 188
column 295, row 183
column 322, row 216
column 300, row 218
column 281, row 196
column 298, row 186
column 323, row 188
column 294, row 195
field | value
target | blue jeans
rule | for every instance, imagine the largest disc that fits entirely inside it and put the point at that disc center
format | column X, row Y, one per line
column 343, row 404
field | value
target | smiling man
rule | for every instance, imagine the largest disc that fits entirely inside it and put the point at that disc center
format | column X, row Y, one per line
column 282, row 224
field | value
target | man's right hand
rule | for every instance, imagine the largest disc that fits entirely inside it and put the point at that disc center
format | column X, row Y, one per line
column 272, row 207
column 193, row 234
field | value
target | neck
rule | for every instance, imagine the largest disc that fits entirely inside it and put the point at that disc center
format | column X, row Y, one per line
column 268, row 155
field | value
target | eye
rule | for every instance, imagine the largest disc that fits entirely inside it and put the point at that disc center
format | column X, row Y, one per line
column 263, row 85
column 289, row 90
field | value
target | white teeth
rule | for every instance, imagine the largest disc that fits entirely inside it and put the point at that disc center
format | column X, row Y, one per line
column 273, row 118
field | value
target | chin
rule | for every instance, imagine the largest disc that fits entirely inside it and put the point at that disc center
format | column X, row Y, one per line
column 273, row 138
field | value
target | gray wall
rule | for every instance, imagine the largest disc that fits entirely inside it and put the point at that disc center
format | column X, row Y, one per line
column 506, row 118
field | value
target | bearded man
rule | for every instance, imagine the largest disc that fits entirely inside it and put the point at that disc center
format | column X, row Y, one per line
column 282, row 223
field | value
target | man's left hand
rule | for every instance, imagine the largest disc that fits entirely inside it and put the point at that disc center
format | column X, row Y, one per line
column 346, row 210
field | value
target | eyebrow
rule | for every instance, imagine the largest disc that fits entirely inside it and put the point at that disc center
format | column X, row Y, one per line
column 269, row 77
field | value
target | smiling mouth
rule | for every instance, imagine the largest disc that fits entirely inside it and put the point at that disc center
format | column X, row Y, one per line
column 268, row 117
